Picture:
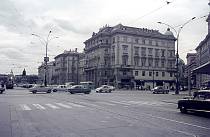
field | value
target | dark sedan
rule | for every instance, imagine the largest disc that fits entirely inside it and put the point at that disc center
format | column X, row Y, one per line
column 200, row 102
column 2, row 89
column 79, row 89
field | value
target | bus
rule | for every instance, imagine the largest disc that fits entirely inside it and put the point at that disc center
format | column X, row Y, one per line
column 88, row 84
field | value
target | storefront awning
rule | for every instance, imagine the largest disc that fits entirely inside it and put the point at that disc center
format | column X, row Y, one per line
column 203, row 69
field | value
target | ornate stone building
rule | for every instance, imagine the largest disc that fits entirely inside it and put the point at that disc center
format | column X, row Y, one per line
column 127, row 56
column 67, row 67
column 202, row 70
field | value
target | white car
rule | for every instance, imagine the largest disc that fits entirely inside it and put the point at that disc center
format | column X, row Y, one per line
column 60, row 88
column 105, row 88
column 40, row 88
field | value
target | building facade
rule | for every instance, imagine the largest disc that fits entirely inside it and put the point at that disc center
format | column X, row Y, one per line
column 203, row 60
column 49, row 73
column 127, row 56
column 67, row 67
column 191, row 65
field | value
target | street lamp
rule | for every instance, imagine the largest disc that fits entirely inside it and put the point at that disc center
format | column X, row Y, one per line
column 177, row 52
column 46, row 58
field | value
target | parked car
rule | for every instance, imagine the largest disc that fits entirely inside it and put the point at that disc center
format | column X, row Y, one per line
column 2, row 89
column 79, row 89
column 160, row 89
column 105, row 88
column 200, row 102
column 60, row 88
column 40, row 88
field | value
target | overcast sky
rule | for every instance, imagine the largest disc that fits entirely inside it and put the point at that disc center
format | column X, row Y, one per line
column 73, row 21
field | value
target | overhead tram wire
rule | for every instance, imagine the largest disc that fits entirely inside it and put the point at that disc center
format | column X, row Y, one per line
column 166, row 4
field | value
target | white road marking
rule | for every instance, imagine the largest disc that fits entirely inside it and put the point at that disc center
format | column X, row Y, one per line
column 38, row 106
column 63, row 105
column 106, row 103
column 75, row 105
column 25, row 107
column 52, row 106
column 89, row 104
column 180, row 122
column 122, row 103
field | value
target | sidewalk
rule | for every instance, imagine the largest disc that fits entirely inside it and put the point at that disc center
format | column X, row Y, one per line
column 5, row 121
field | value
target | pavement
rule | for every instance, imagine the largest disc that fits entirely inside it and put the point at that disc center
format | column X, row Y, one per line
column 5, row 120
column 118, row 114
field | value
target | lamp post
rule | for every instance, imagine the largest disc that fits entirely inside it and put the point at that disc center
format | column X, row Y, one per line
column 46, row 58
column 177, row 50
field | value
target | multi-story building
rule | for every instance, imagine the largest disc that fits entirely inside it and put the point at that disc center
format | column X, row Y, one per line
column 128, row 56
column 81, row 67
column 202, row 70
column 67, row 67
column 191, row 65
column 49, row 73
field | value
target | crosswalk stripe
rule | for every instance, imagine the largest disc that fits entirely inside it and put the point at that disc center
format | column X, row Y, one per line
column 63, row 105
column 122, row 103
column 106, row 103
column 25, row 107
column 38, row 106
column 93, row 105
column 52, row 106
column 75, row 105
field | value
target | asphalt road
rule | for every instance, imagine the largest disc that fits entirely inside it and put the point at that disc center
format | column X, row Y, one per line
column 117, row 114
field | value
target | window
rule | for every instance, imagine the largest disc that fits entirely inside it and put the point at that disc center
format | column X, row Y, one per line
column 150, row 51
column 150, row 73
column 136, row 40
column 143, row 51
column 156, row 74
column 163, row 53
column 150, row 62
column 156, row 43
column 124, row 72
column 125, row 60
column 143, row 41
column 113, row 40
column 150, row 42
column 124, row 38
column 125, row 48
column 136, row 73
column 162, row 63
column 107, row 41
column 156, row 52
column 170, row 65
column 143, row 61
column 136, row 50
column 171, row 74
column 136, row 61
column 143, row 73
column 106, row 51
column 163, row 74
column 156, row 63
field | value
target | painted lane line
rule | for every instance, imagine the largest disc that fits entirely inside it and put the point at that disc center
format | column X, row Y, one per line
column 75, row 105
column 180, row 122
column 63, row 105
column 52, row 106
column 25, row 107
column 38, row 106
column 106, row 103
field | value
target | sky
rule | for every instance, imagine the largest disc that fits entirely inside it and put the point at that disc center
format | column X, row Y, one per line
column 73, row 21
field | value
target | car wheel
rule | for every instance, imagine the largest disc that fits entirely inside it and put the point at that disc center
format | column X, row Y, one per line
column 54, row 90
column 87, row 92
column 183, row 109
column 34, row 92
column 96, row 91
column 72, row 92
column 1, row 92
column 110, row 91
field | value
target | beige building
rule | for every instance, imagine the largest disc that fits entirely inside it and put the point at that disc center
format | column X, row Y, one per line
column 203, row 60
column 49, row 73
column 127, row 56
column 67, row 67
